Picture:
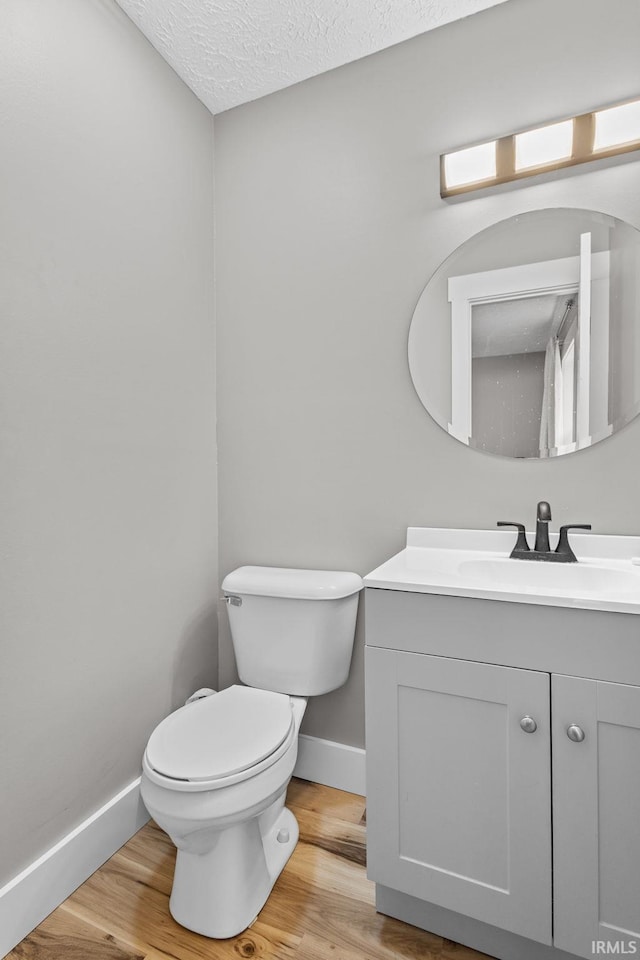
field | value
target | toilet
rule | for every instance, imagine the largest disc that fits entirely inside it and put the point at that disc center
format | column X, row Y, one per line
column 216, row 771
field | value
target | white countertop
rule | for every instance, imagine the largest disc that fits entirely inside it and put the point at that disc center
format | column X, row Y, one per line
column 476, row 563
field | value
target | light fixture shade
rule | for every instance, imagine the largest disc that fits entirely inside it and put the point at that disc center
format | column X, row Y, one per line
column 471, row 165
column 617, row 125
column 544, row 145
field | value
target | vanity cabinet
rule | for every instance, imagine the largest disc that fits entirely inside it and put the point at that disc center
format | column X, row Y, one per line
column 479, row 803
column 596, row 815
column 459, row 807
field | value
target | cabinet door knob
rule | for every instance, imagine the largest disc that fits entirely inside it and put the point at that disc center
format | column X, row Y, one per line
column 575, row 733
column 528, row 724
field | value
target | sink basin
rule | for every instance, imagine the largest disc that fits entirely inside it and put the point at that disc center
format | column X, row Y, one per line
column 586, row 579
column 476, row 563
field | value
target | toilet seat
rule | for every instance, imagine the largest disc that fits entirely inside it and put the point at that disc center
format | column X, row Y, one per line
column 220, row 739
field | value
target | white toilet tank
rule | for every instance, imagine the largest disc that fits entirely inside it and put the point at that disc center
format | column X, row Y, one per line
column 292, row 630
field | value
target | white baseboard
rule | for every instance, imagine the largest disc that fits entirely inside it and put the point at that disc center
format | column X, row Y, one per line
column 31, row 896
column 334, row 764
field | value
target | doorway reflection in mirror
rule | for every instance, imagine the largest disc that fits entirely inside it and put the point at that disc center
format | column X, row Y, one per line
column 539, row 318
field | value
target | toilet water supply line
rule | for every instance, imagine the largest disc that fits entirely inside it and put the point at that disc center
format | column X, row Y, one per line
column 200, row 695
column 207, row 691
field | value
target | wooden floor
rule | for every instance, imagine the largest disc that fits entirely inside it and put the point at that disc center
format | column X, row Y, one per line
column 321, row 908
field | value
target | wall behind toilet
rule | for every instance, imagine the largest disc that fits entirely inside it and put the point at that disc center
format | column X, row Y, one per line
column 329, row 223
column 108, row 488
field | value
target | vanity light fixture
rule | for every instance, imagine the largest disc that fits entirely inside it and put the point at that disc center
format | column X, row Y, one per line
column 590, row 136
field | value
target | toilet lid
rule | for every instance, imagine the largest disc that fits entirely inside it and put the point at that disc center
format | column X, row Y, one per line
column 220, row 735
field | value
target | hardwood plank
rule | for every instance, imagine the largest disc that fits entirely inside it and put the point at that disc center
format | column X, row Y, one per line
column 132, row 902
column 349, row 923
column 316, row 948
column 246, row 945
column 151, row 848
column 340, row 838
column 159, row 878
column 63, row 935
column 455, row 951
column 325, row 871
column 302, row 794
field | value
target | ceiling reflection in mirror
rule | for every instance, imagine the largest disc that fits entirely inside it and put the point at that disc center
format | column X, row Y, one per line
column 526, row 341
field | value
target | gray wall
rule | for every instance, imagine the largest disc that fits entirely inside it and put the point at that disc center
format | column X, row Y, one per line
column 329, row 224
column 107, row 474
column 624, row 337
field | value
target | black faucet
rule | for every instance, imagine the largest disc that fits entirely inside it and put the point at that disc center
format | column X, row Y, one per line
column 543, row 517
column 542, row 550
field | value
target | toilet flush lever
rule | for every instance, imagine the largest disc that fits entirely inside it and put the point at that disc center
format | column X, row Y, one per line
column 233, row 601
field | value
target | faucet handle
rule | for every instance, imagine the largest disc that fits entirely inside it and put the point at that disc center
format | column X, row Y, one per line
column 521, row 543
column 563, row 548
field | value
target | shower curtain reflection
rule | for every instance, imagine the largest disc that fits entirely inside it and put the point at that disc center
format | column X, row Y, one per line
column 558, row 424
column 547, row 418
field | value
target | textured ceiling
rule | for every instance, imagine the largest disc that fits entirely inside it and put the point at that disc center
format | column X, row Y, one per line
column 233, row 51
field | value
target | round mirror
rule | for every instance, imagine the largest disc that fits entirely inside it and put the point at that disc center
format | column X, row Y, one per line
column 526, row 341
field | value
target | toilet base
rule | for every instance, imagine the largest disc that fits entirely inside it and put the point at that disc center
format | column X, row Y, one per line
column 219, row 894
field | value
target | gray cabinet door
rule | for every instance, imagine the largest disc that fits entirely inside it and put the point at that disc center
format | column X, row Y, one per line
column 596, row 812
column 458, row 795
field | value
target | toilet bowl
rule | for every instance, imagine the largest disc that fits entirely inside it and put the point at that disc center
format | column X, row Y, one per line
column 230, row 826
column 215, row 772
